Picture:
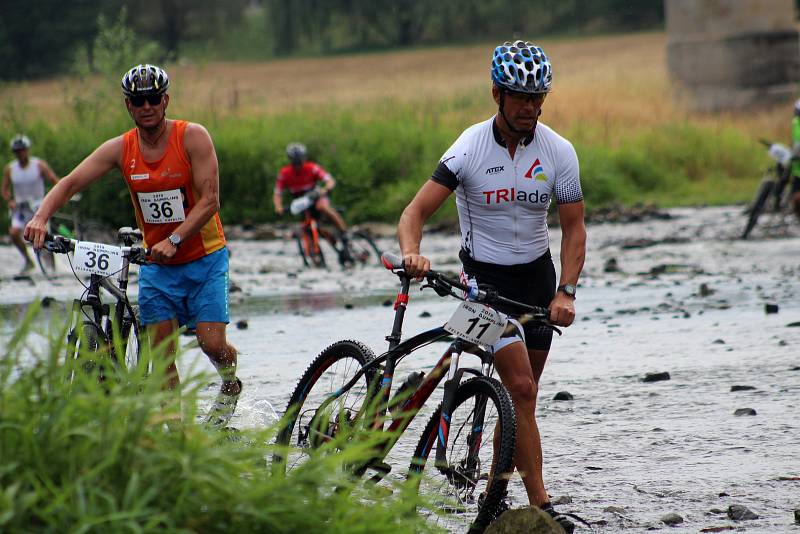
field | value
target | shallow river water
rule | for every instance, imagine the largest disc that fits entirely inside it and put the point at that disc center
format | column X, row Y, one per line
column 684, row 296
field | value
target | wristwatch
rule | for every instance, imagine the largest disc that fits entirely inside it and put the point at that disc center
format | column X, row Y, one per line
column 567, row 289
column 175, row 239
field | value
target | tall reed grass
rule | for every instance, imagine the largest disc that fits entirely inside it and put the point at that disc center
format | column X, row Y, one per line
column 380, row 123
column 111, row 457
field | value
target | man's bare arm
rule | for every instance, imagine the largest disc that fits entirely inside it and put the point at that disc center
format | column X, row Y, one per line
column 409, row 230
column 6, row 189
column 573, row 241
column 48, row 173
column 91, row 169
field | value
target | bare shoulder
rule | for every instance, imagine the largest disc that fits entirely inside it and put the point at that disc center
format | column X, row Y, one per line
column 197, row 141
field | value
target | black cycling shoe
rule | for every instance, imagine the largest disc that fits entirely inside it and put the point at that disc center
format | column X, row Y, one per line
column 563, row 519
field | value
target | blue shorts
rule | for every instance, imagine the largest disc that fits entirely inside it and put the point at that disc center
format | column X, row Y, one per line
column 191, row 292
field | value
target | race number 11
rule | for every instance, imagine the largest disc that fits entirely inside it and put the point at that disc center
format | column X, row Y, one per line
column 477, row 323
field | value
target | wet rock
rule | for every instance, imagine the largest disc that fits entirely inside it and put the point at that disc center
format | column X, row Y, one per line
column 614, row 510
column 671, row 519
column 770, row 308
column 348, row 306
column 705, row 290
column 742, row 388
column 528, row 519
column 563, row 396
column 233, row 287
column 561, row 499
column 795, row 368
column 656, row 377
column 291, row 275
column 47, row 301
column 738, row 512
column 242, row 324
column 797, row 516
column 794, row 324
column 717, row 529
column 724, row 494
column 744, row 411
column 783, row 343
column 425, row 314
column 387, row 302
column 718, row 342
column 611, row 266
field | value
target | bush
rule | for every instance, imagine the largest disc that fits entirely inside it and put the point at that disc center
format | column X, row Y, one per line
column 94, row 457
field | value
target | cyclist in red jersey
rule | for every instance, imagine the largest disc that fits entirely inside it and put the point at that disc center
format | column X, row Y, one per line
column 302, row 176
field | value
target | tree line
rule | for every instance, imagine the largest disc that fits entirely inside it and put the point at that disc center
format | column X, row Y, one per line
column 48, row 37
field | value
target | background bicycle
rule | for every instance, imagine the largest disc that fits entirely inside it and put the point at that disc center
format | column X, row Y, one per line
column 773, row 192
column 69, row 223
column 102, row 331
column 473, row 430
column 360, row 248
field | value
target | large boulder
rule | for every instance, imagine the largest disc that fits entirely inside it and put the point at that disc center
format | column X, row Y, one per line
column 528, row 520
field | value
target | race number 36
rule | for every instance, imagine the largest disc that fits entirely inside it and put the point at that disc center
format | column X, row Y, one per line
column 162, row 207
column 477, row 323
column 97, row 258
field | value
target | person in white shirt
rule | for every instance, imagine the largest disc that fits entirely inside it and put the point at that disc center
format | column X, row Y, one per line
column 505, row 172
column 25, row 175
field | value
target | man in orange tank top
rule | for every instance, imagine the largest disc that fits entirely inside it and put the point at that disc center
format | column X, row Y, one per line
column 170, row 168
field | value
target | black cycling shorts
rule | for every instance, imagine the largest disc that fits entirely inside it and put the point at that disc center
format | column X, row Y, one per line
column 531, row 283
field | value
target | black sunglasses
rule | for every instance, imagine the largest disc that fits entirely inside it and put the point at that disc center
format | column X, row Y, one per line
column 138, row 101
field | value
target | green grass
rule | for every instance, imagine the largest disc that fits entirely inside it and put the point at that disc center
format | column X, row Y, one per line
column 86, row 457
column 382, row 152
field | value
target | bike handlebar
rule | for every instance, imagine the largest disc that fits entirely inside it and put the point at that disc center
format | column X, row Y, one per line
column 58, row 244
column 443, row 285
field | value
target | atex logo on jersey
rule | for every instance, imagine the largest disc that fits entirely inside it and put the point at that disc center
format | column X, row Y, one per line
column 494, row 170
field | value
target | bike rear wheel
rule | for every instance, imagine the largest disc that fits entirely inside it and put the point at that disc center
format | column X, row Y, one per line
column 305, row 427
column 758, row 206
column 363, row 249
column 482, row 434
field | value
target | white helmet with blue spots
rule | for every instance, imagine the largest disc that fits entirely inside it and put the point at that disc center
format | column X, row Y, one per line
column 522, row 67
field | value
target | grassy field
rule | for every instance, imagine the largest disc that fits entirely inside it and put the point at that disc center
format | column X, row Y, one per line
column 612, row 97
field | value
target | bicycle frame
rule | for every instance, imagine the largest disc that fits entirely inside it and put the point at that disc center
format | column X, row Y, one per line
column 447, row 364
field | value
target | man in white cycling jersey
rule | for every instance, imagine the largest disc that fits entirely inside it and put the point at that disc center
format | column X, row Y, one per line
column 505, row 172
column 26, row 177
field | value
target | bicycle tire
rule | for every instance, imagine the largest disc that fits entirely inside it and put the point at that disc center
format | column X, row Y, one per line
column 84, row 341
column 458, row 486
column 305, row 400
column 363, row 249
column 301, row 249
column 757, row 208
column 130, row 335
column 47, row 263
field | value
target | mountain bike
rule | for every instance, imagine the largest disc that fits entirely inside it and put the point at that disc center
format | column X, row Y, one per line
column 347, row 388
column 360, row 248
column 98, row 333
column 773, row 186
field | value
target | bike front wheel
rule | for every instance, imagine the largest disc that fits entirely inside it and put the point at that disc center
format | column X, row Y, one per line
column 310, row 421
column 758, row 206
column 85, row 343
column 466, row 492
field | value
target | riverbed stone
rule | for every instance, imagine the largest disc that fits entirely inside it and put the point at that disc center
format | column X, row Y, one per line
column 771, row 308
column 742, row 388
column 563, row 396
column 656, row 377
column 611, row 266
column 529, row 519
column 797, row 516
column 671, row 519
column 744, row 411
column 705, row 290
column 739, row 512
